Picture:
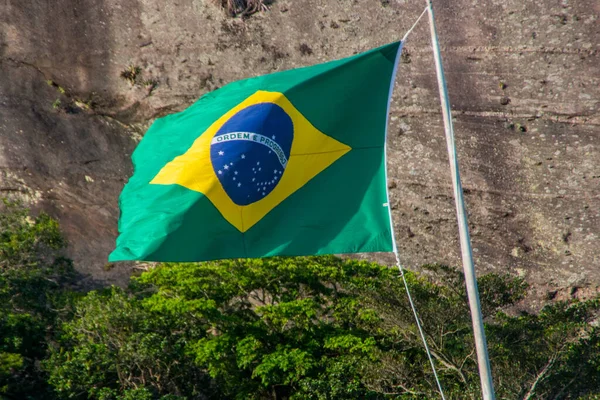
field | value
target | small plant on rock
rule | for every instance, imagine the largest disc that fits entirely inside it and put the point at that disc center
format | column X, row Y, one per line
column 131, row 74
column 150, row 84
column 242, row 7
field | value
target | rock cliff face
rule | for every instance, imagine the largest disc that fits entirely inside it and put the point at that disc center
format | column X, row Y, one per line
column 82, row 80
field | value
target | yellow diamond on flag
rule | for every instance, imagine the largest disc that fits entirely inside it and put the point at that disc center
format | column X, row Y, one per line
column 252, row 158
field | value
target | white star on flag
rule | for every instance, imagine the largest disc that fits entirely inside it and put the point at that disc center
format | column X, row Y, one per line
column 243, row 156
column 221, row 153
column 226, row 166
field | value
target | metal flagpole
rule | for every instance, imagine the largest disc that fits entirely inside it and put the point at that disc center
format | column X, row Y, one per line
column 485, row 373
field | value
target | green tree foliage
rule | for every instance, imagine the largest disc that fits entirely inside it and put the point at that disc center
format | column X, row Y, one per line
column 317, row 328
column 556, row 353
column 32, row 275
column 254, row 328
column 117, row 348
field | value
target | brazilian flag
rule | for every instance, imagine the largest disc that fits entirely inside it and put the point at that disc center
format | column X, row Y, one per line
column 291, row 163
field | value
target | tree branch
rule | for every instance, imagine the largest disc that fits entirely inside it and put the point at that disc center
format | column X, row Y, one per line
column 449, row 365
column 566, row 386
column 540, row 377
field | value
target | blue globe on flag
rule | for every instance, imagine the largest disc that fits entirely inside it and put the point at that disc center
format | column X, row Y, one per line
column 250, row 152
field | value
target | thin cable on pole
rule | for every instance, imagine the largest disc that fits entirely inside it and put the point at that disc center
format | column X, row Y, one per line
column 393, row 234
column 415, row 24
column 414, row 310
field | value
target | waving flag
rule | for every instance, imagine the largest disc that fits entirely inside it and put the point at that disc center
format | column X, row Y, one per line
column 291, row 163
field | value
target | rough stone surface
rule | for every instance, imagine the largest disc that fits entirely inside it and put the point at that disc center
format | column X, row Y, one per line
column 523, row 77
